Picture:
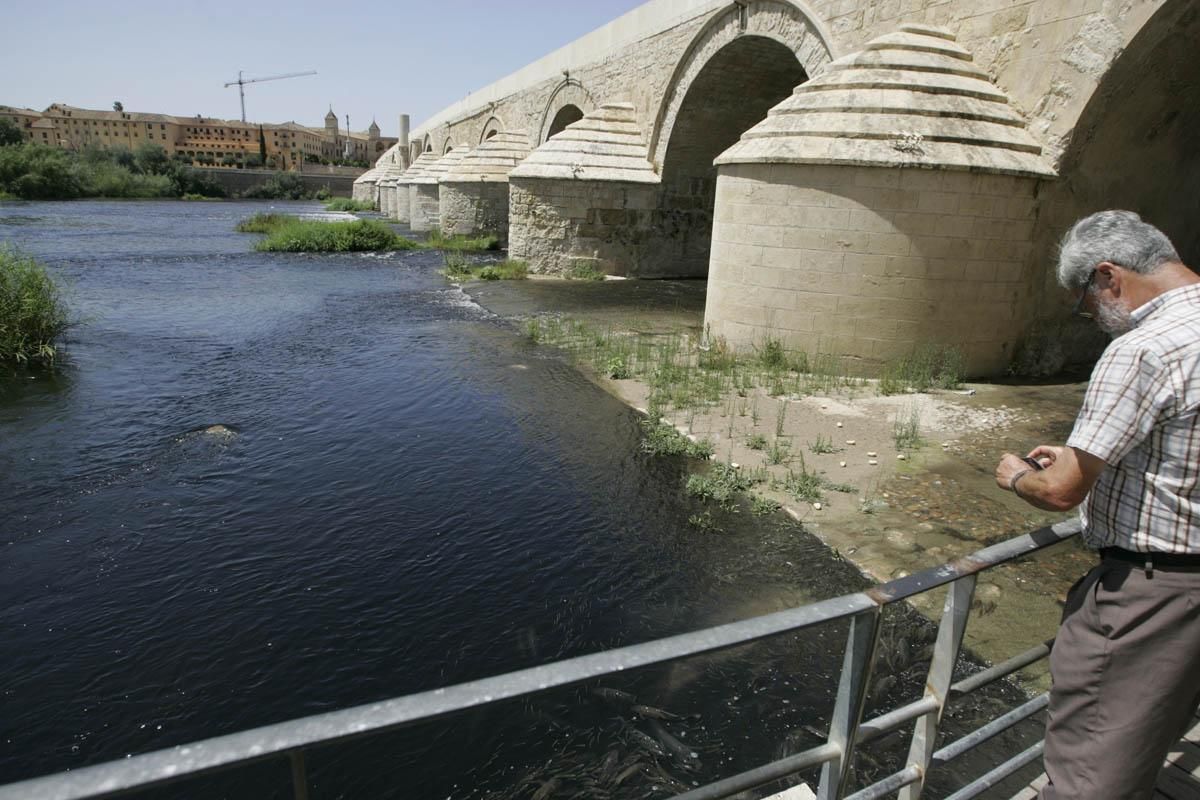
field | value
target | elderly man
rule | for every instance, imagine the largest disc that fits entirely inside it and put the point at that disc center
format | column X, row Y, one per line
column 1126, row 662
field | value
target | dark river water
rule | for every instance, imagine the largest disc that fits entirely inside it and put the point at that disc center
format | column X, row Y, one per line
column 409, row 494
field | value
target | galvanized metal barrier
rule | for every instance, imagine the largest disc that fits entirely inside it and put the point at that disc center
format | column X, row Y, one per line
column 291, row 739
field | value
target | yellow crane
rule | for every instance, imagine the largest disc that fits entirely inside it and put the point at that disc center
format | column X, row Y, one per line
column 241, row 84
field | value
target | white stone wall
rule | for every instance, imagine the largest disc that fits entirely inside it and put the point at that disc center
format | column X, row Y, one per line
column 868, row 263
column 423, row 210
column 555, row 225
column 470, row 208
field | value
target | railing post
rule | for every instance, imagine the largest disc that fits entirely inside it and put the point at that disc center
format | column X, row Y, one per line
column 851, row 697
column 937, row 684
column 299, row 776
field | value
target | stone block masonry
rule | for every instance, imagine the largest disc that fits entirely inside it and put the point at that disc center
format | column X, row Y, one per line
column 470, row 208
column 827, row 262
column 560, row 224
column 424, row 206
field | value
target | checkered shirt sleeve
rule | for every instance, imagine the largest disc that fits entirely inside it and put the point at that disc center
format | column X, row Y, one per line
column 1140, row 416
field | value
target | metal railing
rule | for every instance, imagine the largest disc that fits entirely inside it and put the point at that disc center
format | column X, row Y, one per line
column 847, row 730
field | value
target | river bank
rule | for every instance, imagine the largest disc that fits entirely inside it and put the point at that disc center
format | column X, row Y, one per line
column 898, row 504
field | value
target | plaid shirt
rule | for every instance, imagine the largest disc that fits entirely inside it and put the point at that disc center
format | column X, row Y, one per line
column 1141, row 415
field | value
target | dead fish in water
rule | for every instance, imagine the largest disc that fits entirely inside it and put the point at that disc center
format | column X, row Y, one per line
column 608, row 768
column 615, row 696
column 627, row 773
column 547, row 789
column 660, row 776
column 650, row 712
column 645, row 741
column 686, row 756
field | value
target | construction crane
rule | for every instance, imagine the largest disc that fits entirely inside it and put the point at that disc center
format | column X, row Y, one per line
column 241, row 84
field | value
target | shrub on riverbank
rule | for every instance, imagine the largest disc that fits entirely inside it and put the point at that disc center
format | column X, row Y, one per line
column 264, row 222
column 459, row 269
column 32, row 312
column 292, row 235
column 436, row 241
column 346, row 204
column 37, row 172
column 282, row 186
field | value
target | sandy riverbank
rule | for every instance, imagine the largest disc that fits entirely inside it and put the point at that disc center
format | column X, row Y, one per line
column 903, row 508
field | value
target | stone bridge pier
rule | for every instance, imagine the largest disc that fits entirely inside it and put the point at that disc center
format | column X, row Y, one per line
column 858, row 177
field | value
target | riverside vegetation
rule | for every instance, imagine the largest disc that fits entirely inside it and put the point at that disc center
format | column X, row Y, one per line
column 685, row 376
column 36, row 172
column 32, row 312
column 288, row 233
column 346, row 204
column 32, row 171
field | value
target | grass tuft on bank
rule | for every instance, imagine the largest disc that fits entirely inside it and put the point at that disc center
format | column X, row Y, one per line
column 264, row 222
column 32, row 311
column 346, row 204
column 286, row 233
column 461, row 244
column 458, row 268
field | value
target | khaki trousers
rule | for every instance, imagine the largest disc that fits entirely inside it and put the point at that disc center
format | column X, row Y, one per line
column 1126, row 680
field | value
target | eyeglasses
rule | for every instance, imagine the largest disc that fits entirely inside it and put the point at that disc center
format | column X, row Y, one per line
column 1078, row 310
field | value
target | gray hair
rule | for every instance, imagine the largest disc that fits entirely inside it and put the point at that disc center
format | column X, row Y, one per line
column 1119, row 237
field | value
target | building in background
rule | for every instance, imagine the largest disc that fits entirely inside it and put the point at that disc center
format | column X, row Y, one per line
column 204, row 141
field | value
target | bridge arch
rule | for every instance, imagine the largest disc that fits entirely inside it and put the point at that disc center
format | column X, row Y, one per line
column 1133, row 146
column 447, row 146
column 710, row 103
column 787, row 22
column 490, row 128
column 567, row 99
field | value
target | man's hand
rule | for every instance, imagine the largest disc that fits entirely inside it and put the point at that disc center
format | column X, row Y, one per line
column 1009, row 466
column 1068, row 476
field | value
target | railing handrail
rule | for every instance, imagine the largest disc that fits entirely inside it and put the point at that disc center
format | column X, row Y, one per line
column 294, row 736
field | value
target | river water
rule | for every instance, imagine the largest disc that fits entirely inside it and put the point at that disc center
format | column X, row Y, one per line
column 405, row 494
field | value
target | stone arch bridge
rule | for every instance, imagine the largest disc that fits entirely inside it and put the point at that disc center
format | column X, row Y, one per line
column 852, row 176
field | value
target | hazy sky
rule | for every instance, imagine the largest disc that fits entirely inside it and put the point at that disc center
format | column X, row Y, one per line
column 373, row 59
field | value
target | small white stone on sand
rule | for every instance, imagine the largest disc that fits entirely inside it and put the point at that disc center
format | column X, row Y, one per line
column 735, row 465
column 839, row 424
column 841, row 463
column 817, row 506
column 849, row 441
column 873, row 462
column 900, row 456
column 871, row 454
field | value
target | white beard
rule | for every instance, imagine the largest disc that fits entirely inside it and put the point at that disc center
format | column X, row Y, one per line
column 1113, row 318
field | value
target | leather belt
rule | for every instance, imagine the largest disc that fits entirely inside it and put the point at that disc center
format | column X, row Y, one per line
column 1153, row 560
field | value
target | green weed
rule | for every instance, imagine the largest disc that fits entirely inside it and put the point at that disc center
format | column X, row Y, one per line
column 756, row 441
column 823, row 445
column 436, row 241
column 584, row 272
column 32, row 311
column 779, row 451
column 292, row 235
column 663, row 440
column 929, row 366
column 264, row 223
column 906, row 429
column 721, row 485
column 346, row 204
column 761, row 506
